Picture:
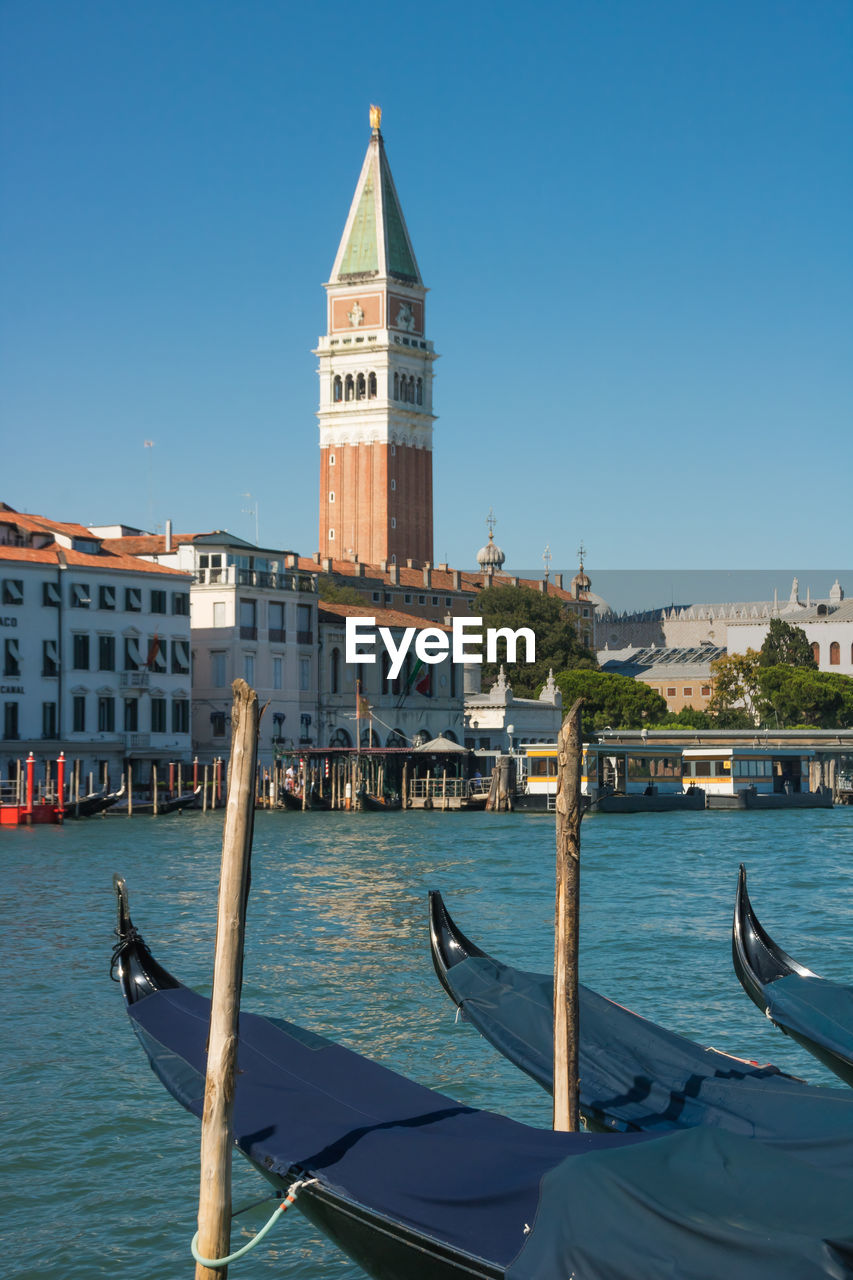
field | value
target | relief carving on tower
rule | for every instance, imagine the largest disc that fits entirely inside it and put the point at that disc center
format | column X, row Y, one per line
column 363, row 312
column 405, row 314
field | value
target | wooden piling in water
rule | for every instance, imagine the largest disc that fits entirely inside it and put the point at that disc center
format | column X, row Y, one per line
column 204, row 791
column 566, row 1024
column 155, row 797
column 214, row 1209
column 129, row 789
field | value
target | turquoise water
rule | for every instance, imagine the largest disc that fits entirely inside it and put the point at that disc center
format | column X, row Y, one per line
column 100, row 1166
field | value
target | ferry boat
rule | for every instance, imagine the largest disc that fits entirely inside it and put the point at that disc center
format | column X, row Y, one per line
column 615, row 778
column 754, row 777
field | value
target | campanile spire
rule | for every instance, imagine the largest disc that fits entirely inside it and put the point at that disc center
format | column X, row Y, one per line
column 376, row 382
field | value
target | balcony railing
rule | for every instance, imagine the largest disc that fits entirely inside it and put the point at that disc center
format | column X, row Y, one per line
column 137, row 740
column 277, row 635
column 289, row 580
column 134, row 679
column 248, row 633
column 305, row 637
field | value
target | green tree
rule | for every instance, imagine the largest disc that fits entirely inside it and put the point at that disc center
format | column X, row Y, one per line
column 335, row 593
column 736, row 691
column 785, row 645
column 797, row 696
column 686, row 718
column 557, row 643
column 611, row 701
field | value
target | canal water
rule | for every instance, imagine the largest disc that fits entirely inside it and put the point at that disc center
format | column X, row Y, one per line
column 100, row 1166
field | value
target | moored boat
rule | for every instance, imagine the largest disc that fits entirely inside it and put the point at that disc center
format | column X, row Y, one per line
column 413, row 1185
column 814, row 1012
column 633, row 1073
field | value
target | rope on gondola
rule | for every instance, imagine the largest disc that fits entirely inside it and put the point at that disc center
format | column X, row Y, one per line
column 292, row 1192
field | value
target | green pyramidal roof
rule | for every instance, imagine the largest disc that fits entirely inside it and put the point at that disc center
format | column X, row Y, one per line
column 375, row 240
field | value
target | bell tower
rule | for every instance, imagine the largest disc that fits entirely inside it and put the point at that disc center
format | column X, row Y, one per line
column 376, row 369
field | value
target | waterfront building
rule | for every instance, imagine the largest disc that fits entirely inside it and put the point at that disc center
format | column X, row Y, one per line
column 681, row 676
column 827, row 624
column 96, row 652
column 253, row 615
column 689, row 625
column 376, row 373
column 499, row 721
column 361, row 705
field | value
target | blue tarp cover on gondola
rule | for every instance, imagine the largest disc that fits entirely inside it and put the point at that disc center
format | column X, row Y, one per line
column 813, row 1009
column 536, row 1204
column 635, row 1074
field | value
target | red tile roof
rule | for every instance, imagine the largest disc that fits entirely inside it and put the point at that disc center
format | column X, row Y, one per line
column 332, row 611
column 81, row 560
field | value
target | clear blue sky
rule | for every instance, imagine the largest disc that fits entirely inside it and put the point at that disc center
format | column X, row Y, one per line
column 634, row 218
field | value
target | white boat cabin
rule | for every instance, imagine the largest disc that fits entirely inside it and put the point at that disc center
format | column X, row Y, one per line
column 609, row 768
column 726, row 771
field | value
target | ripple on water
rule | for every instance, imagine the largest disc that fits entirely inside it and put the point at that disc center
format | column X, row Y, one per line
column 337, row 940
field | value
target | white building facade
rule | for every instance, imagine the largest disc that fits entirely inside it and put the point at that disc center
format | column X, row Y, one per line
column 252, row 618
column 95, row 652
column 425, row 701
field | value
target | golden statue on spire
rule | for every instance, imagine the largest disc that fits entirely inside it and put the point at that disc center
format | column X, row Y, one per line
column 375, row 116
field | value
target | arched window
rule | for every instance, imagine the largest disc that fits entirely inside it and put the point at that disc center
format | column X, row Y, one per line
column 395, row 739
column 369, row 737
column 420, row 738
column 335, row 671
column 420, row 390
column 349, row 387
column 396, row 386
column 835, row 654
column 360, row 387
column 371, row 386
column 340, row 738
column 412, row 389
column 449, row 735
column 337, row 389
column 816, row 652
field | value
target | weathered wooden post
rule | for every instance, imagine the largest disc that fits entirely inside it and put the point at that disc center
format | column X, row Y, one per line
column 154, row 795
column 204, row 791
column 214, row 1207
column 568, row 805
column 129, row 789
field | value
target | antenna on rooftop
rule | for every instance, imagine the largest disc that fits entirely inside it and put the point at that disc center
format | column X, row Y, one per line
column 546, row 560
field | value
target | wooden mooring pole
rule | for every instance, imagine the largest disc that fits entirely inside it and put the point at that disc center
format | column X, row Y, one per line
column 566, row 1024
column 214, row 1205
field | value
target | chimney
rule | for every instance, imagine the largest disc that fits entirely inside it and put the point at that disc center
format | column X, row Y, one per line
column 543, row 586
column 316, row 557
column 427, row 575
column 168, row 539
column 291, row 560
column 457, row 580
column 327, row 565
column 410, row 564
column 394, row 573
column 383, row 566
column 513, row 582
column 558, row 580
column 358, row 570
column 443, row 568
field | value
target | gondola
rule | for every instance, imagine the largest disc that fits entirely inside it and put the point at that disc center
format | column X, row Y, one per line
column 413, row 1185
column 93, row 802
column 145, row 808
column 381, row 804
column 635, row 1075
column 818, row 1014
column 293, row 800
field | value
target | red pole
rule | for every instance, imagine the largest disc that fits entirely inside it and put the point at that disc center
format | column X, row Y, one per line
column 171, row 779
column 60, row 788
column 31, row 773
column 195, row 773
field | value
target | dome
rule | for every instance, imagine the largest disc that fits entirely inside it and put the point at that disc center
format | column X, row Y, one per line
column 490, row 556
